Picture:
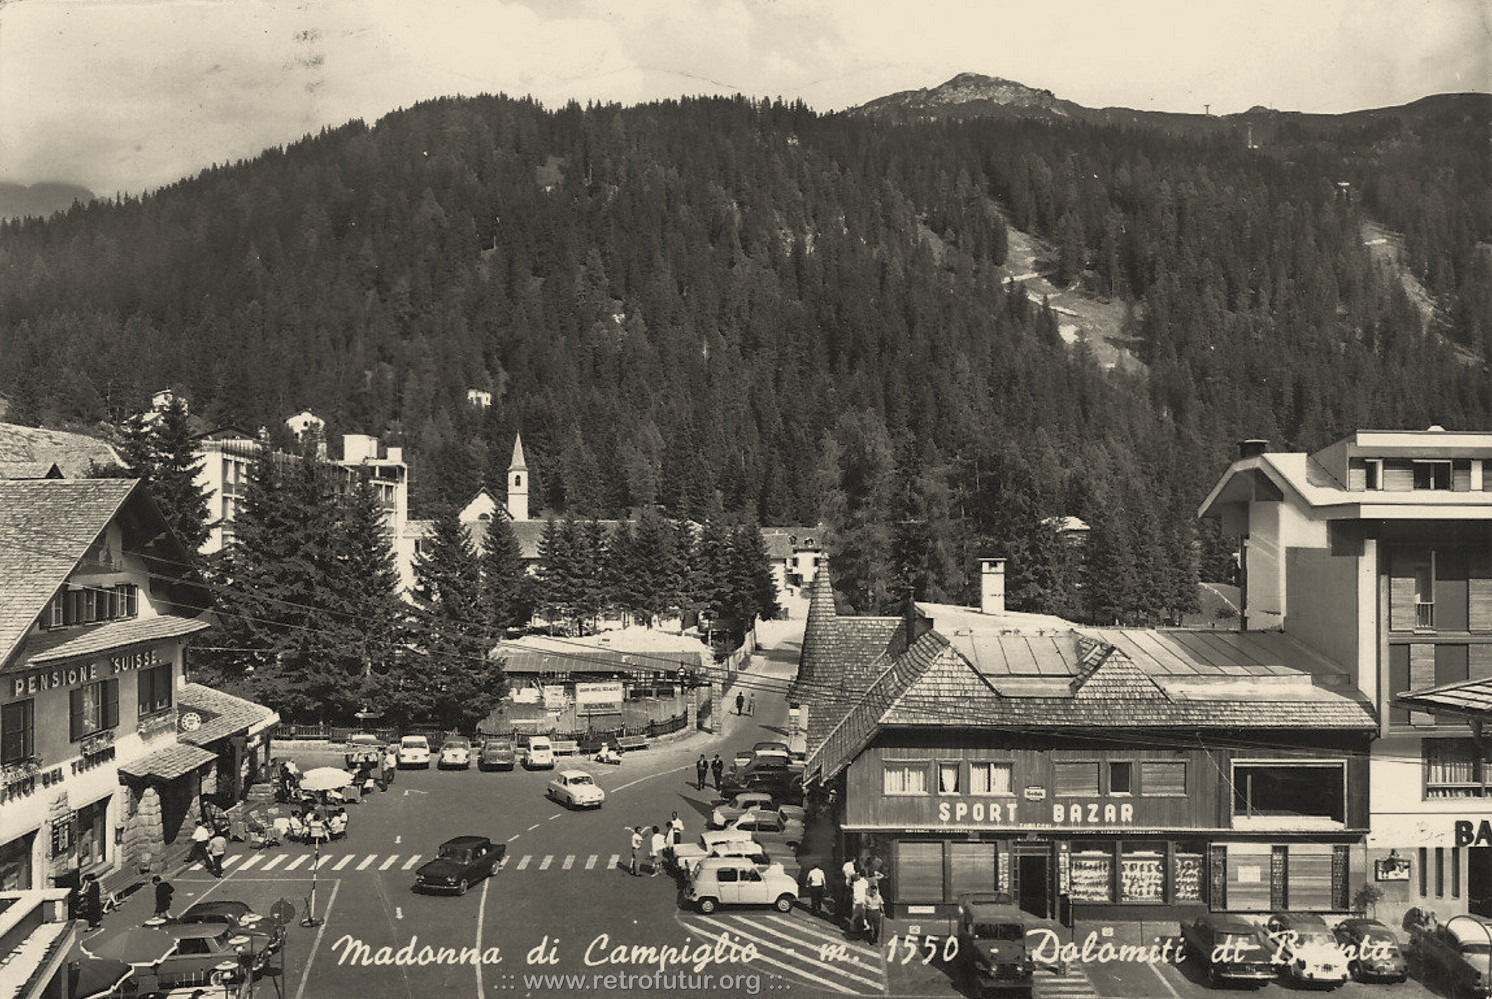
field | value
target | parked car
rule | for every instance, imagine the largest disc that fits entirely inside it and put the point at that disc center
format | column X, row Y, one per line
column 1453, row 955
column 459, row 863
column 455, row 752
column 1229, row 948
column 540, row 754
column 239, row 915
column 728, row 811
column 363, row 748
column 771, row 751
column 1373, row 952
column 576, row 789
column 1307, row 949
column 721, row 881
column 202, row 947
column 686, row 856
column 992, row 953
column 768, row 826
column 497, row 754
column 414, row 751
column 767, row 774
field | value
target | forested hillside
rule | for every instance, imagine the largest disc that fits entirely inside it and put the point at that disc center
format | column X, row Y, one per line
column 751, row 310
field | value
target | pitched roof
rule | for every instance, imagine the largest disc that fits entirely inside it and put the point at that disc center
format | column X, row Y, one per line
column 94, row 639
column 169, row 762
column 73, row 454
column 46, row 526
column 517, row 462
column 222, row 714
column 629, row 650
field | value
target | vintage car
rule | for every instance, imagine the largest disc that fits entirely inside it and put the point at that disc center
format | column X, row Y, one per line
column 992, row 954
column 774, row 775
column 715, row 843
column 497, row 754
column 1373, row 952
column 575, row 789
column 771, row 750
column 768, row 826
column 203, row 952
column 363, row 749
column 1229, row 948
column 459, row 864
column 240, row 915
column 1452, row 956
column 1307, row 949
column 728, row 811
column 455, row 752
column 540, row 754
column 721, row 881
column 414, row 751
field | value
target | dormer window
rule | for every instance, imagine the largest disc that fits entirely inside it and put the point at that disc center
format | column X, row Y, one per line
column 1432, row 475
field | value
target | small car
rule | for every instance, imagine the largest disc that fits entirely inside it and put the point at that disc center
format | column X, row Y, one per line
column 231, row 912
column 455, row 752
column 714, row 843
column 202, row 947
column 1229, row 948
column 728, row 811
column 992, row 953
column 575, row 789
column 459, row 863
column 767, row 826
column 363, row 749
column 1373, row 952
column 414, row 751
column 497, row 754
column 1307, row 949
column 540, row 754
column 1454, row 954
column 765, row 774
column 721, row 881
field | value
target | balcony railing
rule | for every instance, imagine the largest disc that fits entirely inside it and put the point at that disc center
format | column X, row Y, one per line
column 1424, row 615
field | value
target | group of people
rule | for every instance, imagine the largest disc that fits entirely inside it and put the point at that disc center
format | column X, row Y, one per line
column 704, row 769
column 658, row 843
column 311, row 826
column 209, row 846
column 745, row 705
column 862, row 888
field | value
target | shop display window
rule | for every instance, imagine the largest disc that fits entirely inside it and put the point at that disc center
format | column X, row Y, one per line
column 1186, row 872
column 1091, row 873
column 1142, row 876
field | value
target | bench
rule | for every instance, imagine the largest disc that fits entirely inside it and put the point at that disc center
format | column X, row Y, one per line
column 565, row 747
column 627, row 743
column 119, row 885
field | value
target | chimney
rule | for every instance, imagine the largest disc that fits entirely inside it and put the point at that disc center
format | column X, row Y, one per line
column 1252, row 448
column 992, row 586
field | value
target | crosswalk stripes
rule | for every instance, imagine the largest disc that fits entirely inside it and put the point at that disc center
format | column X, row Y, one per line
column 303, row 864
column 522, row 864
column 1072, row 984
column 790, row 944
column 569, row 862
column 590, row 862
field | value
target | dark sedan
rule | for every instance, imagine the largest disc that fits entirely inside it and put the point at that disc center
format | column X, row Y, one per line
column 236, row 914
column 459, row 864
column 1373, row 951
column 1229, row 948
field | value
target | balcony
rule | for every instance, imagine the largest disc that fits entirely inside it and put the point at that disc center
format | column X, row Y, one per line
column 1424, row 615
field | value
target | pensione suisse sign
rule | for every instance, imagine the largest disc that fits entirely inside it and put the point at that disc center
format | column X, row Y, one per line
column 37, row 681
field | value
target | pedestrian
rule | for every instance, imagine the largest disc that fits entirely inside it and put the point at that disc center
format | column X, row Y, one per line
column 717, row 768
column 655, row 851
column 217, row 848
column 847, row 872
column 859, row 892
column 163, row 893
column 200, row 837
column 675, row 830
column 93, row 901
column 701, row 771
column 740, row 700
column 816, row 882
column 751, row 704
column 636, row 845
column 873, row 913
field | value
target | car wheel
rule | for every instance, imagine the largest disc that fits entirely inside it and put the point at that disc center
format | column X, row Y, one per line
column 1354, row 970
column 708, row 905
column 784, row 903
column 1212, row 976
column 461, row 888
column 216, row 977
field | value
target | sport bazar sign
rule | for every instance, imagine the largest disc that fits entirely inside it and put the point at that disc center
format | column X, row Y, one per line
column 26, row 684
column 1010, row 813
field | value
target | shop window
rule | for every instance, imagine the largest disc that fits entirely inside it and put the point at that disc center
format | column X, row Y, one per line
column 1187, row 869
column 1076, row 778
column 155, row 689
column 905, row 778
column 1311, row 876
column 95, row 707
column 1163, row 778
column 1142, row 876
column 1091, row 873
column 1453, row 769
column 15, row 863
column 17, row 731
column 989, row 778
column 1121, row 777
column 1290, row 790
column 973, row 867
column 92, row 837
column 918, row 875
column 948, row 778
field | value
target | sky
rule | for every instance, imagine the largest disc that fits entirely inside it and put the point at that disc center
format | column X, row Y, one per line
column 123, row 96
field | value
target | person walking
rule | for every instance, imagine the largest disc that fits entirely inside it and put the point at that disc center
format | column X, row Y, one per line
column 740, row 700
column 848, row 873
column 217, row 848
column 200, row 838
column 93, row 901
column 751, row 704
column 816, row 882
column 636, row 845
column 163, row 892
column 390, row 766
column 701, row 771
column 655, row 851
column 717, row 768
column 873, row 912
column 859, row 893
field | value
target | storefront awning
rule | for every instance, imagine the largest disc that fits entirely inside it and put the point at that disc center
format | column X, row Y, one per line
column 208, row 714
column 1469, row 698
column 168, row 763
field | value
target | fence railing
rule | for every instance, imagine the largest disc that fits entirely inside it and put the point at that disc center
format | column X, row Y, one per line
column 588, row 739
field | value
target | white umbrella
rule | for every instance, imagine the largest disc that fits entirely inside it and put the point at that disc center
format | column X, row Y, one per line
column 325, row 779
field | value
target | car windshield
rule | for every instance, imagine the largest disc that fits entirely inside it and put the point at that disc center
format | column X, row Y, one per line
column 999, row 931
column 582, row 779
column 1238, row 941
column 458, row 744
column 414, row 742
column 1380, row 937
column 1313, row 937
column 460, row 854
column 1473, row 947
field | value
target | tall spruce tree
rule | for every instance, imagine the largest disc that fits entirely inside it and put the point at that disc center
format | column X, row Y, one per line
column 506, row 591
column 174, row 482
column 373, row 621
column 459, row 681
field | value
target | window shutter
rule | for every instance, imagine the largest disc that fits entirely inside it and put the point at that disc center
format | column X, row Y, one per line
column 1401, row 603
column 1310, row 873
column 1398, row 476
column 1479, row 598
column 1248, row 877
column 973, row 867
column 1076, row 779
column 1162, row 778
column 919, row 872
column 1421, row 675
column 75, row 716
column 110, row 708
column 1479, row 662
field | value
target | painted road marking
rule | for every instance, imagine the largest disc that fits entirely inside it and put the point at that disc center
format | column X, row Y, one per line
column 410, row 862
column 364, row 865
column 322, row 862
column 514, row 836
column 590, row 862
column 274, row 862
column 533, row 827
column 388, row 863
column 569, row 862
column 524, row 862
column 616, row 859
column 250, row 861
column 544, row 864
column 228, row 861
column 297, row 861
column 342, row 863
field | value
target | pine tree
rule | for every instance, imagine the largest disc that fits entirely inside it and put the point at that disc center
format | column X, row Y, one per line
column 372, row 619
column 505, row 584
column 174, row 479
column 459, row 680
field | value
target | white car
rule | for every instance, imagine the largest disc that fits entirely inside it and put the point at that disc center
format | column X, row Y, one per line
column 576, row 789
column 1307, row 948
column 414, row 751
column 455, row 752
column 540, row 754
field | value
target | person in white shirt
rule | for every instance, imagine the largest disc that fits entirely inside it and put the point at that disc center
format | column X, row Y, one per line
column 655, row 851
column 848, row 872
column 858, row 895
column 675, row 830
column 816, row 882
